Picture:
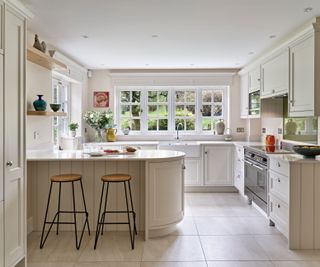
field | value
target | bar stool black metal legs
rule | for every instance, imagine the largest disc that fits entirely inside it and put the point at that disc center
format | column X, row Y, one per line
column 65, row 178
column 101, row 221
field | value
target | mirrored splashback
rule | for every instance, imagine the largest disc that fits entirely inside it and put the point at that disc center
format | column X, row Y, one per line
column 302, row 129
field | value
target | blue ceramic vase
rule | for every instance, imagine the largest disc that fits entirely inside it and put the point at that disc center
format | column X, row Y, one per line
column 40, row 104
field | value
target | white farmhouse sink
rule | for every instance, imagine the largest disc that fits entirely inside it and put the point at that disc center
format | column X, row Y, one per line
column 191, row 148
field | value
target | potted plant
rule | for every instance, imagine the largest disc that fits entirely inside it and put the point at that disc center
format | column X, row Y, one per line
column 73, row 126
column 99, row 120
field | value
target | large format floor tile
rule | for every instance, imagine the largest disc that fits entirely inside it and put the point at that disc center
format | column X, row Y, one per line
column 296, row 263
column 219, row 230
column 113, row 246
column 240, row 264
column 173, row 248
column 232, row 248
column 174, row 264
column 276, row 247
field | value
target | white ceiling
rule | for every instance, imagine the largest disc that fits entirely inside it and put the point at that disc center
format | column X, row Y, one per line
column 191, row 33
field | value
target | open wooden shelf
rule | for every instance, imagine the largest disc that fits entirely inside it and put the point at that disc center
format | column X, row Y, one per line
column 44, row 60
column 45, row 113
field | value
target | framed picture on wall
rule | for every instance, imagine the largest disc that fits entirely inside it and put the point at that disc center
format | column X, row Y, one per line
column 100, row 99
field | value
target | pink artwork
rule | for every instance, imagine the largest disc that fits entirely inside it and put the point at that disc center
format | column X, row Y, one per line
column 101, row 99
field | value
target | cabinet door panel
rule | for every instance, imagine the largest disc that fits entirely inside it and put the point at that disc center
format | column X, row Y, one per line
column 302, row 78
column 275, row 75
column 254, row 80
column 244, row 97
column 192, row 172
column 218, row 165
column 165, row 193
column 1, row 236
column 1, row 128
column 14, row 138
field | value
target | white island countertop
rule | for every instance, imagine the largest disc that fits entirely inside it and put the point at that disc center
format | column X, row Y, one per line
column 48, row 155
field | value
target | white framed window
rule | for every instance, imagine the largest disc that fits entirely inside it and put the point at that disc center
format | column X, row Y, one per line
column 61, row 95
column 130, row 109
column 212, row 107
column 185, row 106
column 159, row 110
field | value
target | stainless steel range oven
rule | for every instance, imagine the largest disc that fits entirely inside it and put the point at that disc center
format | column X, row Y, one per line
column 256, row 177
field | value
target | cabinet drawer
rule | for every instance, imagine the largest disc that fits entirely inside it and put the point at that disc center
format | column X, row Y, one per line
column 279, row 166
column 279, row 214
column 279, row 185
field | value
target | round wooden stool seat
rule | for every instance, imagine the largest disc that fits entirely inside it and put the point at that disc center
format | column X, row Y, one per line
column 65, row 178
column 116, row 178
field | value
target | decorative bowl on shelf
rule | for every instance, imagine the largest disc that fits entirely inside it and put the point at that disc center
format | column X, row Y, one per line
column 55, row 107
column 307, row 151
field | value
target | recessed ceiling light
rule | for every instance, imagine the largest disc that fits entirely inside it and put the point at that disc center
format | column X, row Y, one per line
column 146, row 64
column 308, row 9
column 272, row 36
column 191, row 64
column 85, row 36
column 237, row 64
column 251, row 53
column 154, row 35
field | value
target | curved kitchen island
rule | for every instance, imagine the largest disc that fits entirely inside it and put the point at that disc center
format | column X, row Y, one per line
column 157, row 187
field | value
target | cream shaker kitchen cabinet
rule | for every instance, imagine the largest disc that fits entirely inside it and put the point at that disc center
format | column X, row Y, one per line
column 275, row 75
column 14, row 125
column 166, row 190
column 302, row 77
column 192, row 174
column 254, row 79
column 244, row 96
column 218, row 165
column 1, row 236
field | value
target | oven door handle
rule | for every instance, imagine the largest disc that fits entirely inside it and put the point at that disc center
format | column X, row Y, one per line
column 255, row 166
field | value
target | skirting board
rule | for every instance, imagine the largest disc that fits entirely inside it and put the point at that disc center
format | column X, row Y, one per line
column 210, row 189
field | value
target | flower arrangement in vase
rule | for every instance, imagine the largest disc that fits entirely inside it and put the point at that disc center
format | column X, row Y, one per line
column 99, row 120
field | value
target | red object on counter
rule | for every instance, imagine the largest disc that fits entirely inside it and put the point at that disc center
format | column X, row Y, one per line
column 270, row 149
column 270, row 140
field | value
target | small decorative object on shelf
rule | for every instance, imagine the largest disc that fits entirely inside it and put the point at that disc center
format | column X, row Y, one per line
column 99, row 120
column 43, row 47
column 111, row 135
column 40, row 104
column 52, row 52
column 37, row 43
column 220, row 126
column 55, row 107
column 73, row 126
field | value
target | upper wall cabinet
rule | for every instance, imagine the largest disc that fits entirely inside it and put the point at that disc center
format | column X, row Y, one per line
column 275, row 75
column 254, row 80
column 244, row 97
column 302, row 77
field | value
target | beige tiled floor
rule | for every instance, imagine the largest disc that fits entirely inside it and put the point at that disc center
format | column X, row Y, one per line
column 219, row 230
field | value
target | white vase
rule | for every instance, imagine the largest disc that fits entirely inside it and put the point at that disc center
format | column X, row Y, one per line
column 73, row 133
column 220, row 126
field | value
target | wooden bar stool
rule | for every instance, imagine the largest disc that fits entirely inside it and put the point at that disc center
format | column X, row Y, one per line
column 116, row 178
column 65, row 178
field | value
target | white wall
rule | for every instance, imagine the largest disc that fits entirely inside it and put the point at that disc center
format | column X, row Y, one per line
column 38, row 82
column 104, row 80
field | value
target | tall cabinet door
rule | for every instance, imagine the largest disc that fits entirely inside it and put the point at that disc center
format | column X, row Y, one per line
column 14, row 90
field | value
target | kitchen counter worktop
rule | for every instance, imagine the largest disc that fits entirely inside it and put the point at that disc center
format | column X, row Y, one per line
column 120, row 143
column 295, row 158
column 41, row 155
